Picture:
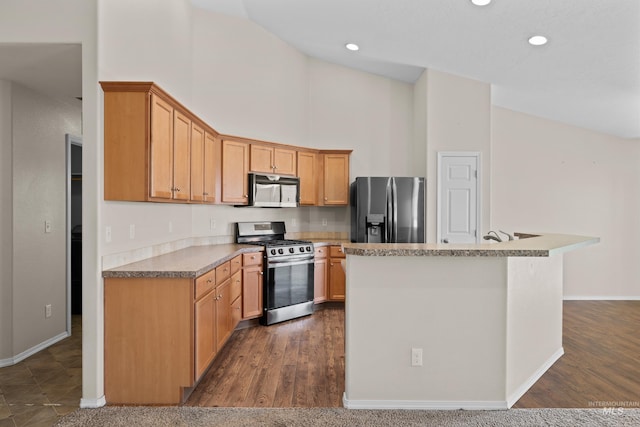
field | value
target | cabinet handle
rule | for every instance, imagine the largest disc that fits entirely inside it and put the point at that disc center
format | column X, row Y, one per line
column 205, row 194
column 331, row 264
column 253, row 257
column 326, row 198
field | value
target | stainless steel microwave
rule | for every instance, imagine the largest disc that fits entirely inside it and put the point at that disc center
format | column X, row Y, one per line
column 273, row 191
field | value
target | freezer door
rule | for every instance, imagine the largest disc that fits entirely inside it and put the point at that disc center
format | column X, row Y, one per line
column 408, row 210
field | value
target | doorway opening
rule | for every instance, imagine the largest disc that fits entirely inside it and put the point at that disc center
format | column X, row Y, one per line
column 74, row 227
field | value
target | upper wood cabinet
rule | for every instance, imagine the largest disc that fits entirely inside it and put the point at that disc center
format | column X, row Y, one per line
column 273, row 160
column 210, row 167
column 335, row 188
column 148, row 145
column 308, row 174
column 235, row 167
column 156, row 150
column 197, row 163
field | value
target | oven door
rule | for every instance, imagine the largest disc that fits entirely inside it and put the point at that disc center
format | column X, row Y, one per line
column 288, row 282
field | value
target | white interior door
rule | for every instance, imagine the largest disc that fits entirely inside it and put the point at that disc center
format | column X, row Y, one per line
column 458, row 197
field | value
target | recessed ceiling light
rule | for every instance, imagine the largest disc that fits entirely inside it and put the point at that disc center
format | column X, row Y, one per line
column 481, row 2
column 352, row 46
column 537, row 40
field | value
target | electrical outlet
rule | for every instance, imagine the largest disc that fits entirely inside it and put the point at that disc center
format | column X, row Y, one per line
column 132, row 231
column 294, row 222
column 324, row 222
column 212, row 224
column 416, row 357
column 170, row 226
column 107, row 233
column 47, row 226
column 47, row 311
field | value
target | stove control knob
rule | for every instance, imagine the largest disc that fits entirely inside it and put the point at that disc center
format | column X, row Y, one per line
column 301, row 248
column 280, row 251
column 308, row 248
column 291, row 250
column 273, row 251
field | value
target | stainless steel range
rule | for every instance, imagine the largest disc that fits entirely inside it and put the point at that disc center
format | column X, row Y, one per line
column 288, row 265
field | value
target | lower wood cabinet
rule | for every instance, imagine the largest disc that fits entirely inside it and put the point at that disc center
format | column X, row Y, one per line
column 252, row 286
column 161, row 334
column 337, row 279
column 320, row 291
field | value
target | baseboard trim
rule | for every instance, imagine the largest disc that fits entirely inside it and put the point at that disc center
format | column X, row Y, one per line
column 600, row 298
column 520, row 391
column 423, row 404
column 93, row 403
column 33, row 350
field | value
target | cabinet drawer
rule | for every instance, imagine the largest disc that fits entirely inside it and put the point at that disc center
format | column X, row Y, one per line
column 236, row 285
column 236, row 264
column 321, row 252
column 252, row 259
column 205, row 283
column 223, row 272
column 336, row 252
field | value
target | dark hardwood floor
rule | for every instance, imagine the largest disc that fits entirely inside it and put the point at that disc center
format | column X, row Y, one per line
column 300, row 363
column 601, row 362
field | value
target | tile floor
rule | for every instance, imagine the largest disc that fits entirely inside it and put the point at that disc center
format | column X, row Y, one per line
column 45, row 386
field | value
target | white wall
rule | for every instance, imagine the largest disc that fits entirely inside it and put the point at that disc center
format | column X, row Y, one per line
column 39, row 126
column 458, row 119
column 6, row 223
column 73, row 21
column 551, row 177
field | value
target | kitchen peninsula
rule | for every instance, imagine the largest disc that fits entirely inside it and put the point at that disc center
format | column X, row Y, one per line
column 479, row 323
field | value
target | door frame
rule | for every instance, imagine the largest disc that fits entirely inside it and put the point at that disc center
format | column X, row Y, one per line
column 69, row 141
column 478, row 156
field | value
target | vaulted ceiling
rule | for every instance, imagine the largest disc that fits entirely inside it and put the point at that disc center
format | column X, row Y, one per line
column 588, row 74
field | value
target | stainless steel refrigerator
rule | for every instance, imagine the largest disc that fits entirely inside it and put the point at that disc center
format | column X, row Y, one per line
column 387, row 210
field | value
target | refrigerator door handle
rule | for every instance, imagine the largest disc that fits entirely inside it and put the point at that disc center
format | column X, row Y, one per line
column 388, row 236
column 394, row 191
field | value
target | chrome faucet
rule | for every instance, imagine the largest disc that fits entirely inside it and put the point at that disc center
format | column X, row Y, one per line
column 507, row 234
column 495, row 236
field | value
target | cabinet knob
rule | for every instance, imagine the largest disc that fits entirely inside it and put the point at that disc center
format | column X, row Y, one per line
column 246, row 195
column 331, row 264
column 253, row 257
column 209, row 280
column 261, row 273
column 326, row 198
column 205, row 194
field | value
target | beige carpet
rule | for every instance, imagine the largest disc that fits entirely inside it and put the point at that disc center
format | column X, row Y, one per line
column 194, row 416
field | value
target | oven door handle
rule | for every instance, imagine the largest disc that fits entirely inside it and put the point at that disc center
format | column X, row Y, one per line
column 287, row 263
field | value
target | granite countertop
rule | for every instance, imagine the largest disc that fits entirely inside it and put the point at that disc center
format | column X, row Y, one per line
column 190, row 262
column 193, row 261
column 534, row 245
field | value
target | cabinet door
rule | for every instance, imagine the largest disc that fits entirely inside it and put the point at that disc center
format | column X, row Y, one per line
column 181, row 156
column 161, row 162
column 336, row 280
column 336, row 179
column 252, row 292
column 223, row 313
column 307, row 172
column 197, row 163
column 235, row 164
column 284, row 161
column 209, row 168
column 205, row 342
column 320, row 280
column 262, row 159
